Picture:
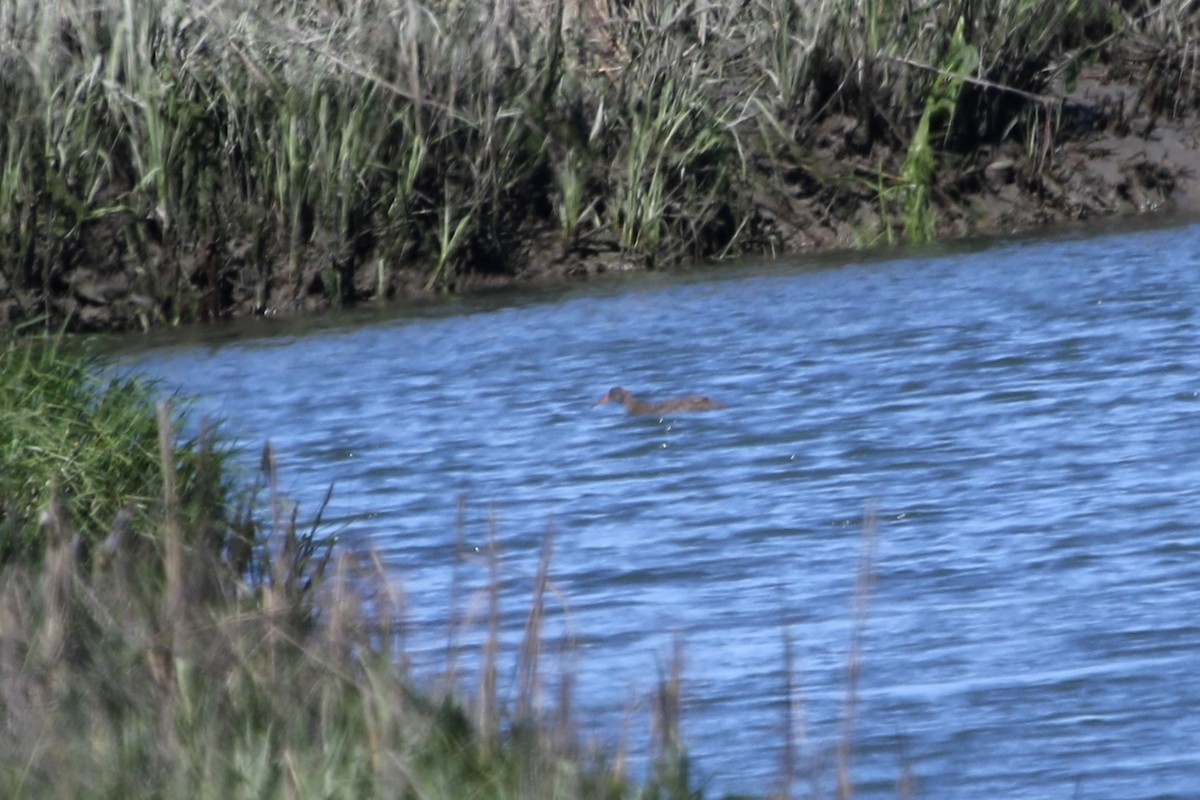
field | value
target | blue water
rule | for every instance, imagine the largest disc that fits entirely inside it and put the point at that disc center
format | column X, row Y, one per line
column 1022, row 419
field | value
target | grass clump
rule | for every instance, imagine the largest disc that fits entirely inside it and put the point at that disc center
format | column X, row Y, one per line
column 90, row 443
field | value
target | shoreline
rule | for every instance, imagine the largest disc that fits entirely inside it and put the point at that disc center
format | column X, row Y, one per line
column 587, row 177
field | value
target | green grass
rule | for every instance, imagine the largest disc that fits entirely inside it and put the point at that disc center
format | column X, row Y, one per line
column 91, row 443
column 329, row 148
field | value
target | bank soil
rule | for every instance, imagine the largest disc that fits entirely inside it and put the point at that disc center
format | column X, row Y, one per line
column 1105, row 155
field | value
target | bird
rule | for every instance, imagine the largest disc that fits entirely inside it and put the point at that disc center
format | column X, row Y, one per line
column 637, row 407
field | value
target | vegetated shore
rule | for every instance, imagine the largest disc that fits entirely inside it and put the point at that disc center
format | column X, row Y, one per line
column 164, row 164
column 167, row 630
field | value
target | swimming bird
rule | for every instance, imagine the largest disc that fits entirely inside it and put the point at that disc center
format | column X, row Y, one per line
column 634, row 406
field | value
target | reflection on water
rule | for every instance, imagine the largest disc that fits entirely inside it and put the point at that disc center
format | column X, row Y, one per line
column 1023, row 416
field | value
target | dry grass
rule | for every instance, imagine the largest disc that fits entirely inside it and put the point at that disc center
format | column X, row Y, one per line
column 273, row 672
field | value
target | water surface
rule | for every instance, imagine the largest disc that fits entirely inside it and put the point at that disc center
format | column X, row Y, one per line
column 1022, row 417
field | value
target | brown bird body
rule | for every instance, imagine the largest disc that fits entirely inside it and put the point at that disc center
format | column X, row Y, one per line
column 637, row 407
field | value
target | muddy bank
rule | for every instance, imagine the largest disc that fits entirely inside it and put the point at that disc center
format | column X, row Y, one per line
column 575, row 191
column 1100, row 164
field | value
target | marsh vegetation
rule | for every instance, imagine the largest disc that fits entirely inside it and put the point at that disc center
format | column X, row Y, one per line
column 165, row 162
column 171, row 633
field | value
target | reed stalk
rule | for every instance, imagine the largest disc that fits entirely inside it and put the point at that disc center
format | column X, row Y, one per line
column 863, row 587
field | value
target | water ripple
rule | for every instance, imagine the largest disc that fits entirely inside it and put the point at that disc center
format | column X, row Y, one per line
column 1022, row 418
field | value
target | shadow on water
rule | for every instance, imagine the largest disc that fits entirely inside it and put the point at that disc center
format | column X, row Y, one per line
column 609, row 285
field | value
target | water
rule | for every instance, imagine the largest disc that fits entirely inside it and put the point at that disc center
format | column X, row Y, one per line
column 1022, row 418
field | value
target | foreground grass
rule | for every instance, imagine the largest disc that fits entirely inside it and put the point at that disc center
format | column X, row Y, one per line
column 231, row 156
column 92, row 444
column 229, row 654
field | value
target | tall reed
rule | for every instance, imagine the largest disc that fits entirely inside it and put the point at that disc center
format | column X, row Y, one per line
column 254, row 156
